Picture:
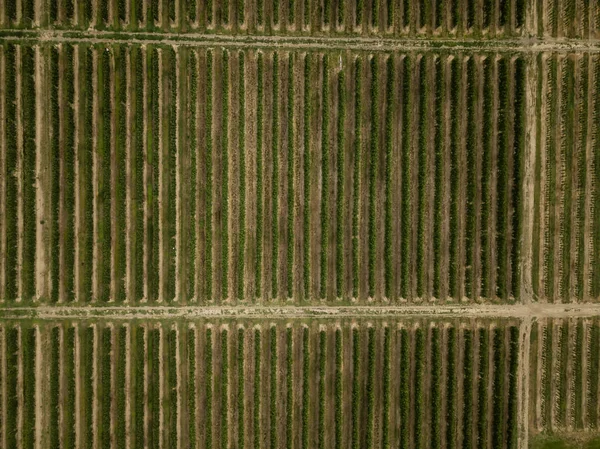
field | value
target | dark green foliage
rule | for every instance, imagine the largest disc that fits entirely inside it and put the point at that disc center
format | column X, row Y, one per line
column 456, row 120
column 436, row 379
column 209, row 11
column 471, row 12
column 563, row 360
column 306, row 9
column 520, row 13
column 504, row 10
column 138, row 368
column 325, row 180
column 193, row 290
column 10, row 10
column 137, row 173
column 291, row 153
column 53, row 11
column 518, row 161
column 28, row 350
column 12, row 385
column 513, row 397
column 104, row 385
column 69, row 9
column 546, row 377
column 498, row 410
column 259, row 177
column 551, row 171
column 121, row 11
column 274, row 11
column 86, row 387
column 488, row 12
column 240, row 13
column 370, row 380
column 172, row 10
column 275, row 179
column 358, row 12
column 482, row 389
column 405, row 206
column 260, row 11
column 405, row 360
column 170, row 164
column 595, row 282
column 273, row 382
column 28, row 11
column 192, row 10
column 386, row 389
column 257, row 383
column 419, row 406
column 424, row 13
column 120, row 356
column 439, row 13
column 467, row 427
column 152, row 159
column 407, row 13
column 11, row 186
column 289, row 399
column 326, row 12
column 153, row 386
column 55, row 161
column 28, row 171
column 487, row 281
column 291, row 5
column 138, row 13
column 54, row 387
column 68, row 368
column 593, row 369
column 172, row 386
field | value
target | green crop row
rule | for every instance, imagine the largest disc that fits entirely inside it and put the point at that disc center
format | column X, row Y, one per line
column 405, row 360
column 595, row 281
column 370, row 396
column 356, row 367
column 422, row 173
column 356, row 173
column 275, row 179
column 54, row 392
column 467, row 426
column 592, row 373
column 257, row 392
column 338, row 386
column 305, row 387
column 582, row 176
column 325, row 180
column 482, row 389
column 405, row 207
column 193, row 289
column 208, row 164
column 192, row 386
column 498, row 410
column 28, row 169
column 104, row 385
column 11, row 183
column 153, row 386
column 171, row 417
column 419, row 384
column 289, row 398
column 306, row 177
column 389, row 143
column 436, row 396
column 546, row 374
column 471, row 150
column 68, row 368
column 259, row 176
column 273, row 382
column 455, row 114
column 12, row 385
column 170, row 167
column 290, row 178
column 512, row 412
column 224, row 386
column 208, row 364
column 322, row 367
column 86, row 364
column 224, row 175
column 138, row 369
column 563, row 356
column 372, row 165
column 241, row 337
column 120, row 357
column 385, row 443
column 242, row 155
column 438, row 200
column 55, row 172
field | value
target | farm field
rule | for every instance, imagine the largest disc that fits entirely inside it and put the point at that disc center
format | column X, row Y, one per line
column 300, row 224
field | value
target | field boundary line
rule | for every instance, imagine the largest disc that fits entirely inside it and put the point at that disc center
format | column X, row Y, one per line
column 524, row 45
column 519, row 311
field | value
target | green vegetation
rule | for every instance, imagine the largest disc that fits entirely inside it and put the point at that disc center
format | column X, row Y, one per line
column 487, row 237
column 12, row 385
column 256, row 388
column 305, row 387
column 498, row 411
column 224, row 390
column 306, row 177
column 467, row 427
column 513, row 394
column 192, row 385
column 455, row 141
column 120, row 360
column 153, row 387
column 356, row 163
column 208, row 167
column 241, row 337
column 208, row 375
column 54, row 387
column 370, row 396
column 338, row 386
column 593, row 370
column 104, row 386
column 405, row 206
column 68, row 368
column 438, row 198
column 386, row 390
column 422, row 174
column 356, row 393
column 289, row 382
column 372, row 168
column 273, row 390
column 482, row 389
column 224, row 175
column 275, row 128
column 86, row 364
column 325, row 181
column 259, row 178
column 419, row 383
column 405, row 357
column 389, row 129
column 172, row 388
column 242, row 194
column 138, row 369
column 322, row 361
column 169, row 167
column 291, row 209
column 471, row 174
column 55, row 175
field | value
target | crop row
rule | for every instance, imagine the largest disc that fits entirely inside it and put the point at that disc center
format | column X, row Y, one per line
column 166, row 384
column 356, row 180
column 379, row 17
column 564, row 393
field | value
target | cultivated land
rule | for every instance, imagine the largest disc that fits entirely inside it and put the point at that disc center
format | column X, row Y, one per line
column 300, row 224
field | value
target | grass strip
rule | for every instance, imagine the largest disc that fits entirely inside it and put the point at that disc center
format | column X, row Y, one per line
column 325, row 180
column 259, row 177
column 356, row 172
column 405, row 358
column 275, row 151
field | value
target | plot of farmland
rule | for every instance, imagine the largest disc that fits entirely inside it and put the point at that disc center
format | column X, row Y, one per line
column 299, row 224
